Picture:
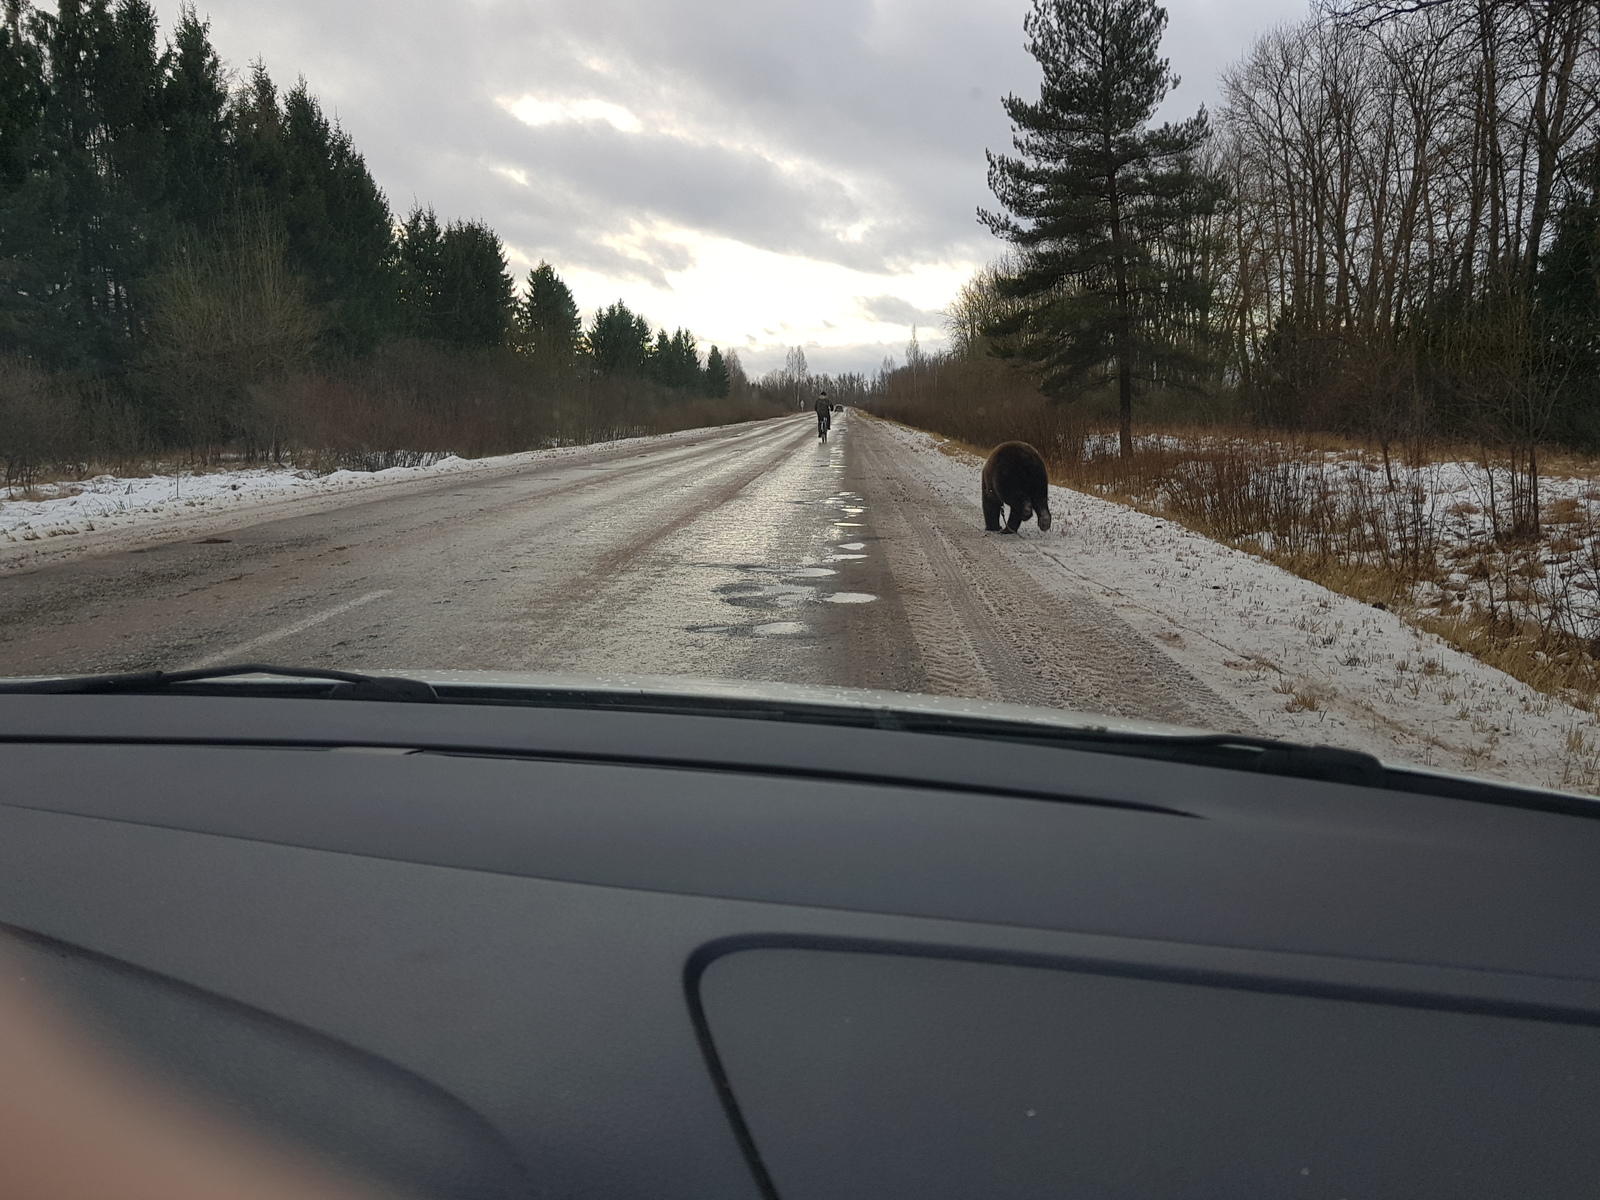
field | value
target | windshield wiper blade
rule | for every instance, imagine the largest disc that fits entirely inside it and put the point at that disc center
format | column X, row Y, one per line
column 1230, row 751
column 346, row 684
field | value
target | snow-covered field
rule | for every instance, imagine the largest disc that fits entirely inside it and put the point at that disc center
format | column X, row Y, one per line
column 1351, row 504
column 58, row 520
column 1298, row 660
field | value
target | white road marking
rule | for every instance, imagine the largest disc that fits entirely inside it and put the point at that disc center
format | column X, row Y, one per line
column 245, row 649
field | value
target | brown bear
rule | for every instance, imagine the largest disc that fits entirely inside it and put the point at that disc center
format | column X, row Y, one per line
column 1015, row 476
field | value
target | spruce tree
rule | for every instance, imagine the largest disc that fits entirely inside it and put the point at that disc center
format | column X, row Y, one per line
column 717, row 382
column 421, row 254
column 340, row 228
column 662, row 365
column 1568, row 294
column 1090, row 197
column 619, row 341
column 477, row 296
column 34, row 251
column 686, row 371
column 548, row 324
column 194, row 114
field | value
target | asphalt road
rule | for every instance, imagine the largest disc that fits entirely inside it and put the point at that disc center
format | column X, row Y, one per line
column 747, row 553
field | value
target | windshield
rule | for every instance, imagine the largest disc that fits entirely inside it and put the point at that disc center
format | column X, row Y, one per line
column 1233, row 369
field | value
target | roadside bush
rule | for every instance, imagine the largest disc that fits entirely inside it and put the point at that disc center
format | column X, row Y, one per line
column 227, row 317
column 415, row 401
column 36, row 420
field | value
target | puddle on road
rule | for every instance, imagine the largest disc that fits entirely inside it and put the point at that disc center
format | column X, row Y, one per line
column 783, row 590
column 764, row 595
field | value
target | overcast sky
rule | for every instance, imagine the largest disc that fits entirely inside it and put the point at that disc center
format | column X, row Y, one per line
column 766, row 173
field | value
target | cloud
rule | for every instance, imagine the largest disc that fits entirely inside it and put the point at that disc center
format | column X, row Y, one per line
column 549, row 112
column 892, row 310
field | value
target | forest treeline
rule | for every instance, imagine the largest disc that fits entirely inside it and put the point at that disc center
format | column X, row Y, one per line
column 197, row 263
column 1390, row 228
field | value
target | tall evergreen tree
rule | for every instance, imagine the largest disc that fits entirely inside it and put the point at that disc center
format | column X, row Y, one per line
column 1093, row 192
column 619, row 340
column 717, row 381
column 477, row 297
column 34, row 249
column 660, row 367
column 298, row 165
column 421, row 255
column 340, row 228
column 260, row 157
column 79, row 200
column 548, row 323
column 675, row 360
column 685, row 371
column 136, row 223
column 453, row 281
column 1569, row 297
column 194, row 114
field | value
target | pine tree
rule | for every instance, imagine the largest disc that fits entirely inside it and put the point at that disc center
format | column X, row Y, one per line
column 619, row 341
column 340, row 228
column 548, row 323
column 686, row 371
column 662, row 365
column 34, row 251
column 717, row 382
column 675, row 360
column 1568, row 293
column 477, row 297
column 194, row 113
column 421, row 255
column 298, row 165
column 260, row 156
column 1090, row 198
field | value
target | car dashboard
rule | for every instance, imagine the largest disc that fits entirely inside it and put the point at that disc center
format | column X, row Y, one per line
column 496, row 950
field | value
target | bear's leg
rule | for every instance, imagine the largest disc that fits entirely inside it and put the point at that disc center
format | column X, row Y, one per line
column 1019, row 514
column 991, row 512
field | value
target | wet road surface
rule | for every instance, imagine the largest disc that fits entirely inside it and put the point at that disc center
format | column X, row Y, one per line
column 748, row 553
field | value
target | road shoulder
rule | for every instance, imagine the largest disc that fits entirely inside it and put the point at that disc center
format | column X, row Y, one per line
column 1298, row 660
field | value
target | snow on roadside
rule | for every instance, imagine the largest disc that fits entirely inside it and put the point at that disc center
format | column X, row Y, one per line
column 1300, row 661
column 181, row 504
column 110, row 501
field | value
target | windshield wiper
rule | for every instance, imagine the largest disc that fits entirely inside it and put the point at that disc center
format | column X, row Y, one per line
column 346, row 685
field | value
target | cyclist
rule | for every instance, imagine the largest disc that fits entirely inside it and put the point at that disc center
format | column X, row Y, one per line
column 824, row 412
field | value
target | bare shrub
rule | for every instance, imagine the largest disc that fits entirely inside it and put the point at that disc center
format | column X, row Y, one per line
column 414, row 402
column 36, row 419
column 227, row 317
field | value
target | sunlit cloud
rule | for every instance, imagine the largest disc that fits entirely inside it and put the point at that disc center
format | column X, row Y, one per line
column 532, row 111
